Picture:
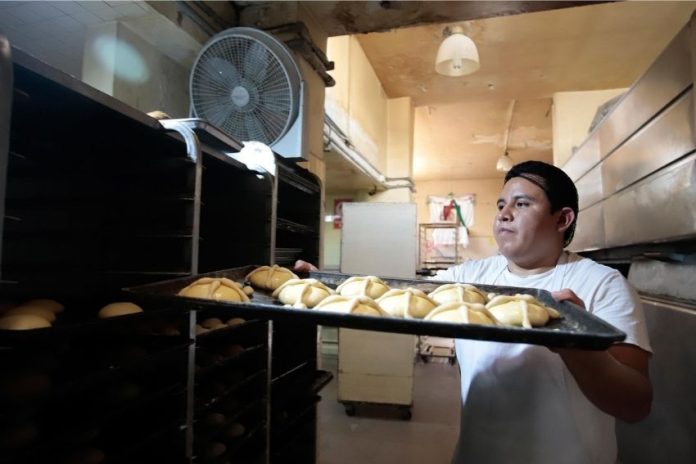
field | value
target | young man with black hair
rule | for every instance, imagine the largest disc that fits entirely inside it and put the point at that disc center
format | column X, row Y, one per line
column 529, row 404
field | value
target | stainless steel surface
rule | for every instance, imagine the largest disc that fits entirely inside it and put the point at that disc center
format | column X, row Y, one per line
column 193, row 150
column 6, row 86
column 589, row 233
column 669, row 136
column 658, row 278
column 590, row 190
column 667, row 435
column 659, row 208
column 666, row 78
column 584, row 158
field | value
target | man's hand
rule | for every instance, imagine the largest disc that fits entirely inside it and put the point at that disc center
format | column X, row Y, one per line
column 304, row 266
column 568, row 295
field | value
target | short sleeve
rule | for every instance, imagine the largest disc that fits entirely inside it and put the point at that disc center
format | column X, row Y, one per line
column 616, row 302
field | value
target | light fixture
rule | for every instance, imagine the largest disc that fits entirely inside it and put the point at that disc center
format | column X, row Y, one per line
column 457, row 55
column 504, row 163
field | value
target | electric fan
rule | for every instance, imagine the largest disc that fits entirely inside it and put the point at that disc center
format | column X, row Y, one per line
column 246, row 82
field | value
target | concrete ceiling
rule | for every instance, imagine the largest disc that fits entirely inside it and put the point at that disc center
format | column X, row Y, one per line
column 461, row 122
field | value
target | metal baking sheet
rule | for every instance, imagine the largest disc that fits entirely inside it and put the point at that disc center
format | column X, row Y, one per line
column 576, row 328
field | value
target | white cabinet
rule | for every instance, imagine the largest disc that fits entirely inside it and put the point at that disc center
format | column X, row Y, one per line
column 377, row 239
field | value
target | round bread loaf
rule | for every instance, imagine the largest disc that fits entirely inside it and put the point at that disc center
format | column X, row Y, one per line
column 235, row 430
column 119, row 309
column 235, row 321
column 410, row 303
column 347, row 305
column 458, row 293
column 23, row 322
column 460, row 313
column 39, row 311
column 200, row 330
column 212, row 323
column 370, row 286
column 270, row 277
column 51, row 305
column 218, row 289
column 302, row 293
column 520, row 310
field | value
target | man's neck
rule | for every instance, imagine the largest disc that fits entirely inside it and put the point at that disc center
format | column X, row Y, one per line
column 524, row 269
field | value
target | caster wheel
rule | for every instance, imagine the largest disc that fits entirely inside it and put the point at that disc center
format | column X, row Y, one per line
column 350, row 410
column 406, row 414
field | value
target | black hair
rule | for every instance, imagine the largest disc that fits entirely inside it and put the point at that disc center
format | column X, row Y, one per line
column 558, row 187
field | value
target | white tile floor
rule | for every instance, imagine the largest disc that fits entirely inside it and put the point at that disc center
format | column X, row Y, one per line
column 376, row 435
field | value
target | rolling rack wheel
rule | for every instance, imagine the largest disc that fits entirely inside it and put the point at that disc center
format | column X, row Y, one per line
column 405, row 413
column 350, row 410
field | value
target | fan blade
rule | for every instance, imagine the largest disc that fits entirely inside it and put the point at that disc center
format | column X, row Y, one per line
column 255, row 129
column 256, row 62
column 220, row 73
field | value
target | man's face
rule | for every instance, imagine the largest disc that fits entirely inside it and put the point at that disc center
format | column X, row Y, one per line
column 524, row 227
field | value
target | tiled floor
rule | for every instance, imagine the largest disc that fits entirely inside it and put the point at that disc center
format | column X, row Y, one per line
column 378, row 436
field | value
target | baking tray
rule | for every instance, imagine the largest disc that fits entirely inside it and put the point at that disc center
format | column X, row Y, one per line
column 576, row 328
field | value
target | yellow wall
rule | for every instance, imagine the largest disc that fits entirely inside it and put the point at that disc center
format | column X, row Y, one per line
column 357, row 103
column 481, row 242
column 572, row 115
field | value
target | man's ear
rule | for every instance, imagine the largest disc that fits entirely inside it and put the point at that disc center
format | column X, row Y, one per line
column 565, row 218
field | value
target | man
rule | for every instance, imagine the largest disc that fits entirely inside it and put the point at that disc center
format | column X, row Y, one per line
column 528, row 404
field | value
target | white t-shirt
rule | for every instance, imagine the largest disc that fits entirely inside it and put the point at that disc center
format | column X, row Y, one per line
column 520, row 404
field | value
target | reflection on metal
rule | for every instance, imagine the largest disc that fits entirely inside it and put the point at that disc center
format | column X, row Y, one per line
column 659, row 208
column 335, row 139
column 666, row 78
column 668, row 137
column 6, row 85
column 633, row 189
column 659, row 278
column 584, row 158
column 666, row 435
column 589, row 233
column 590, row 188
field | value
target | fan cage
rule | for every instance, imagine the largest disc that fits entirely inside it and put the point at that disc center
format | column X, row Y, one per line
column 247, row 84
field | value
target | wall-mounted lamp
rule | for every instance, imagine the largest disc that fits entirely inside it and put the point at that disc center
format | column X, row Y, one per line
column 504, row 163
column 457, row 55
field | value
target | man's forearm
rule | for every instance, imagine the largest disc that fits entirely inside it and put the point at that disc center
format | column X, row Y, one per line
column 613, row 387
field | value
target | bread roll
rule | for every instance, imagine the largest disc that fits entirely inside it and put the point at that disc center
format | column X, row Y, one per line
column 51, row 305
column 218, row 289
column 17, row 436
column 302, row 293
column 520, row 310
column 356, row 305
column 235, row 430
column 458, row 293
column 39, row 311
column 235, row 321
column 200, row 330
column 23, row 322
column 410, row 303
column 369, row 286
column 212, row 323
column 270, row 277
column 119, row 309
column 460, row 313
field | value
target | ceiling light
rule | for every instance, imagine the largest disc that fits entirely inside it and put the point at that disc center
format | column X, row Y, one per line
column 504, row 163
column 457, row 55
